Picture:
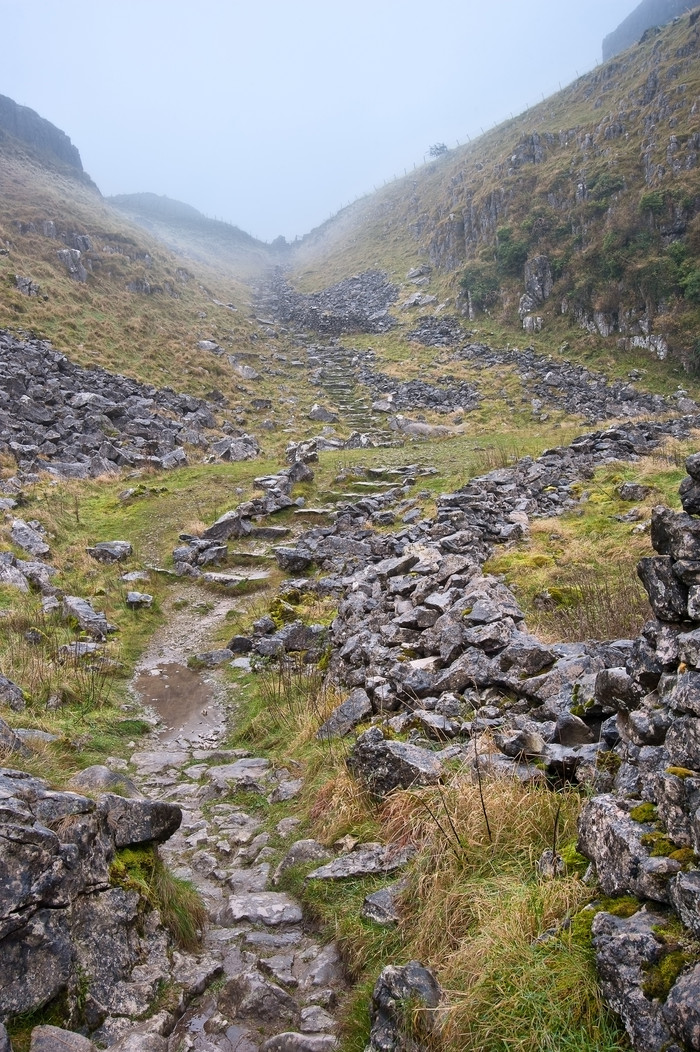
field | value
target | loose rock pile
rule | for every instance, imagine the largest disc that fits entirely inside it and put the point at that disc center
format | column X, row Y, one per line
column 550, row 381
column 440, row 331
column 392, row 394
column 428, row 645
column 357, row 304
column 79, row 423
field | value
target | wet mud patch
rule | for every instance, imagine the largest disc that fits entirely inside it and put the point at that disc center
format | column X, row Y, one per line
column 185, row 702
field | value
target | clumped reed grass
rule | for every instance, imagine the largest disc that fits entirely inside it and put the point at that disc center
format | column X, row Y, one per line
column 611, row 606
column 496, row 933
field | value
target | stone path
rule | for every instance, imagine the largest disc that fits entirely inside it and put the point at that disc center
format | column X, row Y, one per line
column 262, row 980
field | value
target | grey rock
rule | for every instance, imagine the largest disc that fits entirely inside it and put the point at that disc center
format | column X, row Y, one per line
column 10, row 574
column 625, row 949
column 28, row 538
column 81, row 611
column 685, row 696
column 212, row 658
column 614, row 689
column 139, row 600
column 294, row 560
column 689, row 490
column 524, row 743
column 395, row 987
column 101, row 777
column 111, row 551
column 571, row 730
column 11, row 742
column 364, row 860
column 667, row 595
column 239, row 774
column 37, row 961
column 139, row 821
column 300, row 852
column 356, row 708
column 295, row 1042
column 250, row 996
column 4, row 1040
column 613, row 841
column 633, row 491
column 685, row 896
column 271, row 908
column 384, row 765
column 320, row 413
column 54, row 1039
column 240, row 645
column 11, row 695
column 381, row 907
column 230, row 525
column 526, row 654
column 682, row 1009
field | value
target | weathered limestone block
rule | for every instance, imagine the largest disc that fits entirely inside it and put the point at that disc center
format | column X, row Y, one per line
column 384, row 765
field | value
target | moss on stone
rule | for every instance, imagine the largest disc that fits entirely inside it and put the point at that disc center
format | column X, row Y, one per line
column 662, row 975
column 685, row 855
column 681, row 772
column 582, row 922
column 660, row 843
column 644, row 813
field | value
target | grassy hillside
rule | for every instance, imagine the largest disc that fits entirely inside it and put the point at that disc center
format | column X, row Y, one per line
column 601, row 179
column 141, row 310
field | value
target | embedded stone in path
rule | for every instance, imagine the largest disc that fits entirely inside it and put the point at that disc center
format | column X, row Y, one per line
column 293, row 1042
column 231, row 580
column 242, row 772
column 266, row 907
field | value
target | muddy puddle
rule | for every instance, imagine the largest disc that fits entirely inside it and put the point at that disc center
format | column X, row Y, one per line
column 190, row 704
column 185, row 702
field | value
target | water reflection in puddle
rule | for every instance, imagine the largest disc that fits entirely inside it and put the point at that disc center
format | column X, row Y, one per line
column 184, row 701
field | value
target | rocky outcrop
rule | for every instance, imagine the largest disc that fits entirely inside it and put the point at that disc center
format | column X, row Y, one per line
column 66, row 930
column 43, row 137
column 646, row 15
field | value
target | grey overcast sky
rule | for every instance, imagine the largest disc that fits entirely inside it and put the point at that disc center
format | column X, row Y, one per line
column 273, row 114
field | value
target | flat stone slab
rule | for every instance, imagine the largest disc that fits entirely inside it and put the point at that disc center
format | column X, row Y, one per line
column 246, row 770
column 293, row 1042
column 155, row 762
column 230, row 580
column 266, row 907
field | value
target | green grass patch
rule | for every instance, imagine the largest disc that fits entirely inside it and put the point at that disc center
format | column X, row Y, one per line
column 182, row 911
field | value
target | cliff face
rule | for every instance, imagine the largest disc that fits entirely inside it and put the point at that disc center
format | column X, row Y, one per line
column 40, row 134
column 649, row 13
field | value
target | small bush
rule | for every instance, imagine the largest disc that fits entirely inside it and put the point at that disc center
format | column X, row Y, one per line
column 511, row 253
column 482, row 284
